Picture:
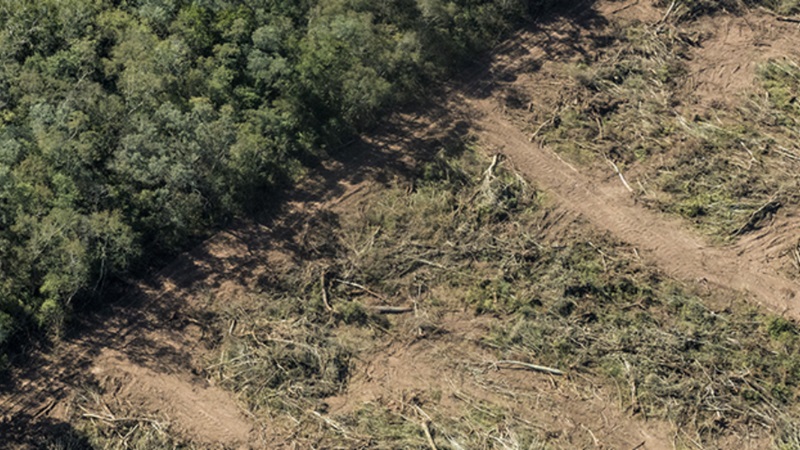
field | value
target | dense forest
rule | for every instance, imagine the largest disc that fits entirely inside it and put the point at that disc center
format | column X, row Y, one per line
column 128, row 128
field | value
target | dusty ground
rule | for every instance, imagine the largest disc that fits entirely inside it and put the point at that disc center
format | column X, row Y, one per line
column 724, row 66
column 722, row 69
column 148, row 354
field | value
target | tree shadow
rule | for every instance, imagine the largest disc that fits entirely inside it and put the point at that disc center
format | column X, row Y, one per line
column 570, row 31
column 24, row 432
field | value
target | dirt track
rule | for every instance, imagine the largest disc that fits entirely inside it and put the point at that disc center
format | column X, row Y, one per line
column 664, row 241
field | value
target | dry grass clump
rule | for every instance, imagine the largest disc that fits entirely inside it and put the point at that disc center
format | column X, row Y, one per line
column 419, row 422
column 278, row 359
column 621, row 105
column 480, row 425
column 466, row 221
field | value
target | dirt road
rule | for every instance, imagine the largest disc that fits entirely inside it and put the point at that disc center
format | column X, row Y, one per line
column 665, row 241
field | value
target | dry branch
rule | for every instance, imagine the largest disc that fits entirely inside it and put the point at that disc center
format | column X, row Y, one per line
column 752, row 156
column 488, row 176
column 362, row 287
column 787, row 153
column 490, row 170
column 45, row 409
column 621, row 177
column 392, row 309
column 431, row 263
column 119, row 419
column 427, row 429
column 533, row 367
column 339, row 428
column 769, row 208
column 594, row 438
column 324, row 291
column 796, row 254
column 539, row 130
column 669, row 11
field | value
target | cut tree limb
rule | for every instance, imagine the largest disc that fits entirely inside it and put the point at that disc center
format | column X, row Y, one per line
column 431, row 263
column 533, row 367
column 539, row 129
column 769, row 208
column 796, row 254
column 118, row 419
column 621, row 177
column 490, row 170
column 392, row 309
column 362, row 287
column 324, row 291
column 427, row 429
column 669, row 11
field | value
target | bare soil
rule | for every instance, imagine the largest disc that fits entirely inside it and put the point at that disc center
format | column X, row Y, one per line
column 722, row 69
column 724, row 66
column 663, row 241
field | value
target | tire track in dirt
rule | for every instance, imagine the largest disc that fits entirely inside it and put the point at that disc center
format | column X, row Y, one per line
column 727, row 62
column 777, row 245
column 661, row 240
column 667, row 242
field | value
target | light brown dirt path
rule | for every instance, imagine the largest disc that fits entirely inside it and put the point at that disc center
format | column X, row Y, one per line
column 204, row 413
column 664, row 241
column 142, row 364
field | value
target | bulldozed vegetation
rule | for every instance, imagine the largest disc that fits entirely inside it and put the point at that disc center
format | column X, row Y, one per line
column 472, row 251
column 475, row 242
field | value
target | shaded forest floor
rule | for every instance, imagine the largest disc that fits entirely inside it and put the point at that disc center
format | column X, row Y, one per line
column 500, row 239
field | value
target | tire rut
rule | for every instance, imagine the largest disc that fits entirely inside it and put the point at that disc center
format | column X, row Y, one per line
column 661, row 240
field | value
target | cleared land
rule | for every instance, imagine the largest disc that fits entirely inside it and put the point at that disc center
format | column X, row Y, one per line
column 274, row 334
